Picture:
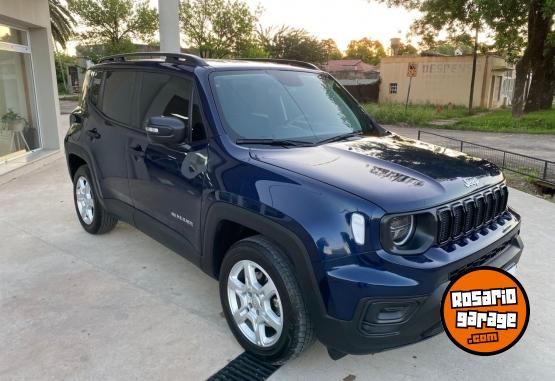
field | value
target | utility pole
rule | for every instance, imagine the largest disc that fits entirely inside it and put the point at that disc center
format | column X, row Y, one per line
column 474, row 59
column 169, row 26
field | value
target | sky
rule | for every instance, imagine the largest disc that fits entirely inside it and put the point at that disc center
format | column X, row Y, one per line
column 342, row 20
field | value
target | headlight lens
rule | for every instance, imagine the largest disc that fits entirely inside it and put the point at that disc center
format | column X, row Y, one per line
column 401, row 229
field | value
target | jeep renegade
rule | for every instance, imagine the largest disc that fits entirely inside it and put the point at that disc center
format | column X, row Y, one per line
column 270, row 177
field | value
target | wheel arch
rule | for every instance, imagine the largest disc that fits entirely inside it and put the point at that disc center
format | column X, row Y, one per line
column 291, row 244
column 77, row 155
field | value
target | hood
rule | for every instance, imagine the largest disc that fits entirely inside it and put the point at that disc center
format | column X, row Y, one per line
column 395, row 173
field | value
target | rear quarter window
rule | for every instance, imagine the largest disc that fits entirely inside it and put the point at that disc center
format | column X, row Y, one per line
column 95, row 84
column 117, row 95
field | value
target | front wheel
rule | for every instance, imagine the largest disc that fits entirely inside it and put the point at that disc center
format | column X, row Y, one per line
column 262, row 301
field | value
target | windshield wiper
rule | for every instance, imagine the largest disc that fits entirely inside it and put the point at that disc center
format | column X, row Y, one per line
column 339, row 137
column 275, row 142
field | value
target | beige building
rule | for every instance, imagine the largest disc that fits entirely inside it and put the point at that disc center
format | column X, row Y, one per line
column 443, row 80
column 28, row 95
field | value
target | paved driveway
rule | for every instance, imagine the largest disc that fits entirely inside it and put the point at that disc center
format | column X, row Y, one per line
column 121, row 306
column 540, row 146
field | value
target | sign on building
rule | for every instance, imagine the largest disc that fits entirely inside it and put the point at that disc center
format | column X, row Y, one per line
column 412, row 69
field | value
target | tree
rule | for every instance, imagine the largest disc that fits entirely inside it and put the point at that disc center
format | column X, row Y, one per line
column 406, row 50
column 61, row 22
column 219, row 28
column 367, row 50
column 114, row 24
column 332, row 51
column 538, row 57
column 521, row 30
column 293, row 44
column 448, row 46
column 62, row 61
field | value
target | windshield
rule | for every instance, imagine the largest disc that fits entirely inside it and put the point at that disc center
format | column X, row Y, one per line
column 287, row 105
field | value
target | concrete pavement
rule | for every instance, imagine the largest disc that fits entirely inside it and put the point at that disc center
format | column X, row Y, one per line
column 121, row 306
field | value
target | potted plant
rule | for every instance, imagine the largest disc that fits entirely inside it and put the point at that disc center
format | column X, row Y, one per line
column 13, row 121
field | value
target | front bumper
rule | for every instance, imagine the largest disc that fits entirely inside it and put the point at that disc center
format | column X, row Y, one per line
column 403, row 307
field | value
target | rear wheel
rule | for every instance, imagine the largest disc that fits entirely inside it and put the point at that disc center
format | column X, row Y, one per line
column 262, row 301
column 92, row 216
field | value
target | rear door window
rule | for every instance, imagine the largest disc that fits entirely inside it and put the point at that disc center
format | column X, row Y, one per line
column 117, row 95
column 165, row 95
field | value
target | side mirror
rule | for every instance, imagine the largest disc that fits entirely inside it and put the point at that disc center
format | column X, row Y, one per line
column 166, row 130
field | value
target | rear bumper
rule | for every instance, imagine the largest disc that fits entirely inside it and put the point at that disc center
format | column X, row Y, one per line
column 403, row 310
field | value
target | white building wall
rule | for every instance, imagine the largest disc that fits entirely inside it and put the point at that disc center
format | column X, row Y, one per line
column 34, row 16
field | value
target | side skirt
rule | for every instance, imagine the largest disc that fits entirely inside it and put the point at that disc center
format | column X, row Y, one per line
column 154, row 229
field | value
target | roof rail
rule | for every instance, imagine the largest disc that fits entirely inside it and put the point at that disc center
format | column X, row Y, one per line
column 169, row 57
column 283, row 61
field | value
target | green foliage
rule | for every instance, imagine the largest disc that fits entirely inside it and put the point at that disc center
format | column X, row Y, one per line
column 96, row 52
column 407, row 50
column 365, row 49
column 294, row 44
column 61, row 22
column 11, row 116
column 115, row 23
column 539, row 122
column 62, row 61
column 416, row 115
column 332, row 51
column 219, row 28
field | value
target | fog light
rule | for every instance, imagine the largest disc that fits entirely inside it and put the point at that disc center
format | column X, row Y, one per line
column 358, row 226
column 390, row 312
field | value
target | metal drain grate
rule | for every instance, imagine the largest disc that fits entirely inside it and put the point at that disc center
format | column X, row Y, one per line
column 245, row 367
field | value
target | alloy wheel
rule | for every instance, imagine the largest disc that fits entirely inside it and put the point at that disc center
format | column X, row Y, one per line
column 255, row 303
column 84, row 199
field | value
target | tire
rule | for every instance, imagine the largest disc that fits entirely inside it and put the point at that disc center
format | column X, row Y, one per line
column 97, row 220
column 274, row 274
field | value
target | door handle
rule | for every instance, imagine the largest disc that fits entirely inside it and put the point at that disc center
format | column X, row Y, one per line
column 93, row 133
column 137, row 151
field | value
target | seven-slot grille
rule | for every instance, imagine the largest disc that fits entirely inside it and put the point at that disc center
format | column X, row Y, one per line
column 460, row 218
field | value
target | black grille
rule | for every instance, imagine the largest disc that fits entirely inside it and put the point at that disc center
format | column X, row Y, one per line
column 504, row 197
column 245, row 367
column 480, row 210
column 444, row 228
column 461, row 218
column 489, row 207
column 469, row 215
column 458, row 220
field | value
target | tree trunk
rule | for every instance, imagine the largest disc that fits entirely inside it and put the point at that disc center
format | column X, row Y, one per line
column 546, row 101
column 539, row 26
column 522, row 70
column 473, row 78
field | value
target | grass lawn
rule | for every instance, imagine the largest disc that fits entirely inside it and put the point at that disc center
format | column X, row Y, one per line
column 541, row 122
column 416, row 115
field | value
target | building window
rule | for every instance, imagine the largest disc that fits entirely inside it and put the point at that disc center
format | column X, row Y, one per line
column 19, row 130
column 393, row 88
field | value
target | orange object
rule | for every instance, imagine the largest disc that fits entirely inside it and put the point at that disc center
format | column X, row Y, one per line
column 485, row 311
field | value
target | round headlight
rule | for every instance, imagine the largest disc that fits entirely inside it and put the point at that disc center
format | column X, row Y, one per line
column 401, row 229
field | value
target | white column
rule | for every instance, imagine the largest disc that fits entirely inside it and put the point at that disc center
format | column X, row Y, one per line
column 169, row 26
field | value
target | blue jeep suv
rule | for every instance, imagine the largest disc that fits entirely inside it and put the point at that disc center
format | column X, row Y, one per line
column 270, row 177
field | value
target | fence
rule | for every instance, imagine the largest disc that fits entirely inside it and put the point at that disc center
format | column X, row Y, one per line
column 365, row 93
column 538, row 169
